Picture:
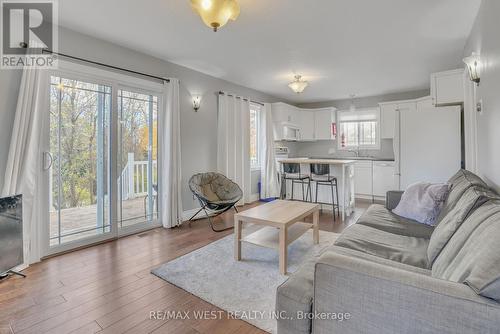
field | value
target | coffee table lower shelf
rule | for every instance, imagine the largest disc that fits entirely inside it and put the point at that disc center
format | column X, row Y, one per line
column 269, row 236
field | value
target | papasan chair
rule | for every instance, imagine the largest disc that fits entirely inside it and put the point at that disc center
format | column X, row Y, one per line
column 216, row 194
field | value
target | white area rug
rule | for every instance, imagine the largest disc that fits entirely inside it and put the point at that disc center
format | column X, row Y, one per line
column 248, row 286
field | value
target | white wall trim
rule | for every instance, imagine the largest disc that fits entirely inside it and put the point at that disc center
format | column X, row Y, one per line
column 470, row 125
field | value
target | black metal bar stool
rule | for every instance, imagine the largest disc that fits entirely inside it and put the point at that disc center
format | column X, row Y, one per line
column 291, row 171
column 320, row 174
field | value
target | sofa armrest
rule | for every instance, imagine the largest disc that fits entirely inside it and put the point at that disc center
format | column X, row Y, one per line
column 375, row 298
column 392, row 199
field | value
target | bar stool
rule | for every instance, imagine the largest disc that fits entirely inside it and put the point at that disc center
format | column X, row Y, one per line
column 320, row 174
column 291, row 171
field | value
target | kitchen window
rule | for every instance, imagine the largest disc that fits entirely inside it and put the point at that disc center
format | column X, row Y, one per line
column 254, row 135
column 359, row 129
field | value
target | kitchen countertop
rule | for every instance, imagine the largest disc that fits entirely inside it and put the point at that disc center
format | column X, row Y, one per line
column 356, row 158
column 317, row 161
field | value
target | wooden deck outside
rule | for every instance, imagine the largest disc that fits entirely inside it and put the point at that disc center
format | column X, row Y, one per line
column 85, row 218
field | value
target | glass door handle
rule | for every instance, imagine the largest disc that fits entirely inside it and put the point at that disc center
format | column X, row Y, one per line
column 45, row 155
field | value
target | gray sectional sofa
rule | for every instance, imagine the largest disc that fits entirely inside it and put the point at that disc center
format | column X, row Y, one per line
column 386, row 274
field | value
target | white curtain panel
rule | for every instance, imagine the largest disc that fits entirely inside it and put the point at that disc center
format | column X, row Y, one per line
column 23, row 173
column 268, row 170
column 233, row 142
column 170, row 191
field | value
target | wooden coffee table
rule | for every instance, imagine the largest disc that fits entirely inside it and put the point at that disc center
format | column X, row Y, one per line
column 283, row 221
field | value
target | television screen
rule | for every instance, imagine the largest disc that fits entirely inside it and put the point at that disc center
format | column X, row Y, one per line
column 11, row 232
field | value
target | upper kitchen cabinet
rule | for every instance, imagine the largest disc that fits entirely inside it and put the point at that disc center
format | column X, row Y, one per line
column 447, row 88
column 388, row 116
column 425, row 104
column 306, row 124
column 323, row 119
column 285, row 113
column 292, row 123
column 387, row 120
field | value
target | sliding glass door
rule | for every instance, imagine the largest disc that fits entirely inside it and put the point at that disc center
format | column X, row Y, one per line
column 78, row 160
column 137, row 158
column 100, row 157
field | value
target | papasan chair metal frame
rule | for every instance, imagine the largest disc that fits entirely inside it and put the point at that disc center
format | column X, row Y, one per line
column 216, row 194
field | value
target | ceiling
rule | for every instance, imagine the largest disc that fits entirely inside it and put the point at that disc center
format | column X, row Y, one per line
column 341, row 47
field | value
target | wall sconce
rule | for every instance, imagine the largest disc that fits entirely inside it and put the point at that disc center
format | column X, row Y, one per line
column 196, row 102
column 473, row 63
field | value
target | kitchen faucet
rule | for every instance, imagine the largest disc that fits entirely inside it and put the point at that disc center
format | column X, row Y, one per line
column 356, row 152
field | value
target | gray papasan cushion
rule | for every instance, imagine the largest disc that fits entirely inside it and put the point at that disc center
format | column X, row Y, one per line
column 215, row 188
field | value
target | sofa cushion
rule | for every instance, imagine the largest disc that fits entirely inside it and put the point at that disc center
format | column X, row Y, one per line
column 472, row 255
column 381, row 218
column 400, row 248
column 472, row 198
column 376, row 259
column 296, row 295
column 459, row 182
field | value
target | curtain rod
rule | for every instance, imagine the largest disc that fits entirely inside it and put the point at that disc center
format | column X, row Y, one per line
column 256, row 102
column 106, row 65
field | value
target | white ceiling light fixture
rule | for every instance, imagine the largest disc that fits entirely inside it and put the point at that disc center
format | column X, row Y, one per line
column 216, row 13
column 473, row 63
column 352, row 107
column 298, row 85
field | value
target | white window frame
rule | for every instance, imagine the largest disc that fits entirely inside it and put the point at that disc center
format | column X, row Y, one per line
column 258, row 113
column 376, row 146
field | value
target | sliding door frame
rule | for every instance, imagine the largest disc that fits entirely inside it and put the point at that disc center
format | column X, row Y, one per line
column 117, row 81
column 123, row 231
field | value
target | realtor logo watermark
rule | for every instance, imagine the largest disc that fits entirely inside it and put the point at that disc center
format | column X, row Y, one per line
column 28, row 27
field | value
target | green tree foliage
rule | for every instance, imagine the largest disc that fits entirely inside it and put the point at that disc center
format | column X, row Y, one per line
column 74, row 129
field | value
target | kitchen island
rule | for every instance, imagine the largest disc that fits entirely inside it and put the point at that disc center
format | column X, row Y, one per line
column 340, row 168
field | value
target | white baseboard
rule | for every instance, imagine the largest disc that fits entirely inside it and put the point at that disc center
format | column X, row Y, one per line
column 189, row 213
column 254, row 197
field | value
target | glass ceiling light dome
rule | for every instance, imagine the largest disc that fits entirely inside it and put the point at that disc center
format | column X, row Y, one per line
column 216, row 13
column 298, row 85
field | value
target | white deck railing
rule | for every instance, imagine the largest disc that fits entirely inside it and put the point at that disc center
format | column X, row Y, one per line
column 134, row 178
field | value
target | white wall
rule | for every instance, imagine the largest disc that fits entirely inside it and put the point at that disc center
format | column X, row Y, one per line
column 199, row 135
column 485, row 39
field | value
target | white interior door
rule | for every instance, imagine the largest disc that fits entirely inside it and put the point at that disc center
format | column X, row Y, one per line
column 430, row 145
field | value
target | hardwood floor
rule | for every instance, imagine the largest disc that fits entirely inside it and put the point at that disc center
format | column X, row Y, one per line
column 108, row 288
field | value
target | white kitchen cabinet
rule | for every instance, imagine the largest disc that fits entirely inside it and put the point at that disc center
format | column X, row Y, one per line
column 407, row 106
column 447, row 88
column 388, row 116
column 384, row 178
column 306, row 124
column 387, row 120
column 363, row 179
column 323, row 120
column 295, row 118
column 425, row 104
column 286, row 113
